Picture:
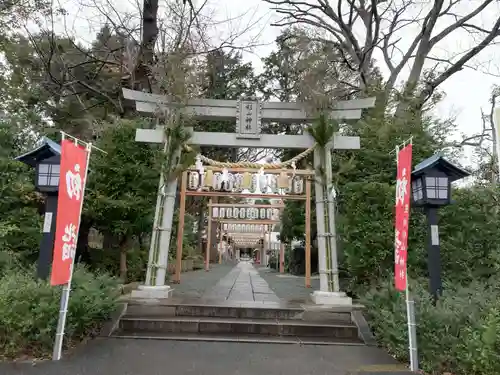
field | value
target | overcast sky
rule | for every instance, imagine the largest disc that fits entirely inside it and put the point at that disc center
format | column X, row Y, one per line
column 466, row 92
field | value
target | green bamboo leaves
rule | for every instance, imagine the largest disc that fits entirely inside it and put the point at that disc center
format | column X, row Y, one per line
column 323, row 129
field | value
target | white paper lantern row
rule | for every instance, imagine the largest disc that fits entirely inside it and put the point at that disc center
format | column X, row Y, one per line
column 245, row 243
column 246, row 213
column 234, row 182
column 244, row 228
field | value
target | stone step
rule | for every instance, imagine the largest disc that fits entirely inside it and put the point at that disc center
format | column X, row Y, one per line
column 211, row 325
column 243, row 311
column 237, row 338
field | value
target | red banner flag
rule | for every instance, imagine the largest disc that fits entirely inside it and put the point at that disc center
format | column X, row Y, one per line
column 403, row 191
column 73, row 172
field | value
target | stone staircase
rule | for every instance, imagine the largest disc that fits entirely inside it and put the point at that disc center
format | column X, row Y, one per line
column 246, row 322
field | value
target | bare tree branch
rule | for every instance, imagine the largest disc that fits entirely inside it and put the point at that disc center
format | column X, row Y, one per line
column 382, row 25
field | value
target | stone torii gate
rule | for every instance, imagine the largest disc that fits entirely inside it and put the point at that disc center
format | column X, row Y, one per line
column 249, row 114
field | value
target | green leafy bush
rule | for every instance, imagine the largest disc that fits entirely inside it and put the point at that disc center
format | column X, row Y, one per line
column 29, row 310
column 468, row 234
column 460, row 335
column 273, row 262
column 108, row 260
column 20, row 224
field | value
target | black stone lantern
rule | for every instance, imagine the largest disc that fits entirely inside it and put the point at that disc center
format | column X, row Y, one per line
column 431, row 188
column 46, row 160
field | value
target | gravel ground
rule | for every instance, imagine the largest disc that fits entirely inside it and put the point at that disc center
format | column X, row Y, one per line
column 155, row 357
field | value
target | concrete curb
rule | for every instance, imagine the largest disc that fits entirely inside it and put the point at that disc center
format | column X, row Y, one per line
column 112, row 324
column 396, row 369
column 128, row 288
column 382, row 372
column 364, row 330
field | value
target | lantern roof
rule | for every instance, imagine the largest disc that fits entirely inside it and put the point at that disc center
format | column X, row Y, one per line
column 437, row 161
column 46, row 149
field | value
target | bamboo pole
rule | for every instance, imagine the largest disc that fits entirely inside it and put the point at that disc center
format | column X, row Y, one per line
column 180, row 229
column 332, row 238
column 320, row 223
column 308, row 233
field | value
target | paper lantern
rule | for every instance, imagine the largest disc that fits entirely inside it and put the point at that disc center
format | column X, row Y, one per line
column 283, row 180
column 193, row 180
column 217, row 182
column 246, row 182
column 298, row 185
column 209, row 179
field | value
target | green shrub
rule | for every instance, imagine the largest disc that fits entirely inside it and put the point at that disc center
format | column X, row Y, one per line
column 20, row 224
column 366, row 234
column 468, row 232
column 460, row 335
column 188, row 251
column 8, row 260
column 108, row 260
column 273, row 262
column 198, row 261
column 29, row 310
column 295, row 260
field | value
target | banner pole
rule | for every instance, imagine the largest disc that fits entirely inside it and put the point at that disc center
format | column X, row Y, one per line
column 412, row 329
column 410, row 309
column 63, row 310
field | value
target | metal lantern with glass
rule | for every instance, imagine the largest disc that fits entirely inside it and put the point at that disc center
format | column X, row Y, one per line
column 47, row 175
column 46, row 160
column 431, row 188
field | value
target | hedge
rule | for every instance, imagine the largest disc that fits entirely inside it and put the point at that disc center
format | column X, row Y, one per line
column 29, row 310
column 460, row 335
column 468, row 232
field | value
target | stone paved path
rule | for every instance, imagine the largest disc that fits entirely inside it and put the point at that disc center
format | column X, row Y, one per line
column 288, row 288
column 242, row 284
column 195, row 284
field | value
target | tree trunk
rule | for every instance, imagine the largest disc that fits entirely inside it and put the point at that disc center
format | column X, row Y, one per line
column 147, row 55
column 123, row 259
column 495, row 173
column 109, row 241
column 82, row 253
